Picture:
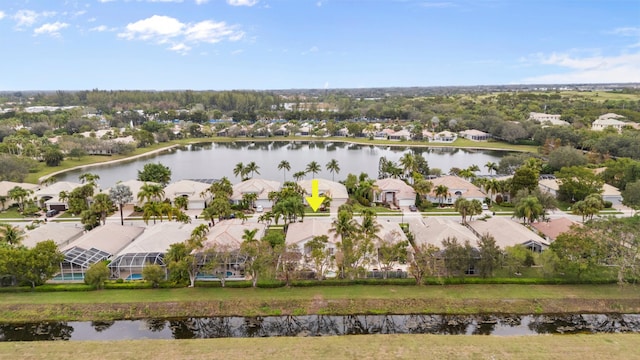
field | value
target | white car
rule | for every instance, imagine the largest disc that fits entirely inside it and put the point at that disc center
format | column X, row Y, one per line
column 259, row 208
column 485, row 207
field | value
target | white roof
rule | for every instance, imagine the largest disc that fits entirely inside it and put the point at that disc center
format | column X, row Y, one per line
column 507, row 232
column 159, row 237
column 433, row 230
column 261, row 187
column 454, row 184
column 56, row 188
column 110, row 238
column 5, row 186
column 60, row 233
column 189, row 188
column 474, row 132
column 334, row 189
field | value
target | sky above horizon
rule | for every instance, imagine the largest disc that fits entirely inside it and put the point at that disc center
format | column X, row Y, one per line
column 289, row 44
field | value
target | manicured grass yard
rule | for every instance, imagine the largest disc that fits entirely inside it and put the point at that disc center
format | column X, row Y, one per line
column 565, row 347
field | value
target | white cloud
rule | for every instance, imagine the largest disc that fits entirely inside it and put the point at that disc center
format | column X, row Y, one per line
column 102, row 28
column 159, row 28
column 181, row 36
column 200, row 2
column 590, row 69
column 180, row 48
column 626, row 31
column 52, row 29
column 242, row 2
column 237, row 52
column 26, row 18
column 106, row 1
column 2, row 15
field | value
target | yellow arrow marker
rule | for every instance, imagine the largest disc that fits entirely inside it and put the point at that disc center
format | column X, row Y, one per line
column 314, row 200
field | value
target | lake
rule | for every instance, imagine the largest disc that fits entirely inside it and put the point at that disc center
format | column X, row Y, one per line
column 216, row 160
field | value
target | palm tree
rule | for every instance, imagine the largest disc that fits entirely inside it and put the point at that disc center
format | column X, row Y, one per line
column 120, row 195
column 249, row 236
column 491, row 166
column 314, row 168
column 299, row 175
column 151, row 209
column 19, row 195
column 285, row 166
column 12, row 235
column 474, row 168
column 102, row 205
column 528, row 209
column 423, row 187
column 181, row 202
column 333, row 167
column 3, row 201
column 89, row 178
column 150, row 192
column 408, row 162
column 240, row 170
column 442, row 192
column 221, row 188
column 466, row 174
column 252, row 168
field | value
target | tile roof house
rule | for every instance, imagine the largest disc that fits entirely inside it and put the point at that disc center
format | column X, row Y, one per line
column 457, row 188
column 475, row 135
column 194, row 191
column 260, row 187
column 554, row 227
column 394, row 192
column 444, row 136
column 336, row 191
column 50, row 194
column 134, row 186
column 433, row 230
column 61, row 233
column 6, row 186
column 508, row 232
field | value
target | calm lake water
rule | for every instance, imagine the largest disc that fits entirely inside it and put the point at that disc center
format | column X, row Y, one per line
column 215, row 160
column 321, row 325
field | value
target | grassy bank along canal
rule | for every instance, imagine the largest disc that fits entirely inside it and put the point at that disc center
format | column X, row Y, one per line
column 338, row 300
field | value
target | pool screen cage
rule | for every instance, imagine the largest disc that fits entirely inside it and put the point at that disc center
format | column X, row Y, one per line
column 77, row 260
column 129, row 266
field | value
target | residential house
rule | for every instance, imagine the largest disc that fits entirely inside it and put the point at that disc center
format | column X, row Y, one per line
column 444, row 137
column 393, row 192
column 226, row 237
column 508, row 232
column 400, row 135
column 457, row 188
column 550, row 119
column 260, row 187
column 99, row 244
column 609, row 193
column 551, row 228
column 335, row 190
column 301, row 233
column 148, row 248
column 195, row 192
column 49, row 196
column 475, row 135
column 609, row 120
column 6, row 186
column 135, row 186
column 434, row 230
column 61, row 233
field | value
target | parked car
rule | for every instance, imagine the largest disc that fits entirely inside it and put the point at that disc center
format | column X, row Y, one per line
column 413, row 208
column 485, row 207
column 52, row 212
column 259, row 208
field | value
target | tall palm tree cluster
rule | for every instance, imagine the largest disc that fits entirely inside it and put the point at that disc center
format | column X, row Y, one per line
column 243, row 171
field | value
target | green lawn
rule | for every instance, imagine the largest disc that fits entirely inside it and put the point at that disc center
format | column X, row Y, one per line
column 11, row 213
column 386, row 347
column 484, row 291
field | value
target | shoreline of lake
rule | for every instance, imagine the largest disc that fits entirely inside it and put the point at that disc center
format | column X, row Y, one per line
column 179, row 143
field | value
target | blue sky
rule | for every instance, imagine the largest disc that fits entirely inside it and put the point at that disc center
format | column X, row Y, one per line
column 285, row 44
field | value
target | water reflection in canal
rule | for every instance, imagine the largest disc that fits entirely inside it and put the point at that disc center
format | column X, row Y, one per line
column 321, row 325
